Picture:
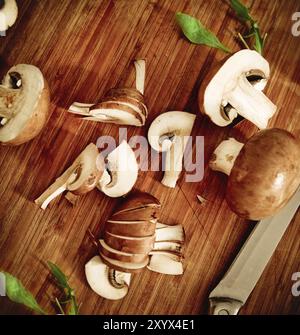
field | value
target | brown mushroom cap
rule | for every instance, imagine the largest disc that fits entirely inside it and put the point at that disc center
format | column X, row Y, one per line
column 265, row 175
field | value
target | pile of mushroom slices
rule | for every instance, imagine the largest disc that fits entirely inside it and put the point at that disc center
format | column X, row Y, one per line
column 264, row 173
column 124, row 106
column 8, row 14
column 24, row 104
column 169, row 133
column 235, row 88
column 115, row 178
column 133, row 239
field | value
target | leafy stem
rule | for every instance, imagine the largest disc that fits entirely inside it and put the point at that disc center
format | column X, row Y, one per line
column 243, row 14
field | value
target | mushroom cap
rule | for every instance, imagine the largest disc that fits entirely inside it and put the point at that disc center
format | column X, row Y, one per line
column 32, row 113
column 265, row 175
column 223, row 76
column 8, row 14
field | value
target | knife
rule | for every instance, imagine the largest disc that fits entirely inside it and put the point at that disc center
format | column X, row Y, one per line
column 234, row 289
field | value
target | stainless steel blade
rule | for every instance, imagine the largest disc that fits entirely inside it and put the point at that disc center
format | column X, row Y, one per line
column 234, row 289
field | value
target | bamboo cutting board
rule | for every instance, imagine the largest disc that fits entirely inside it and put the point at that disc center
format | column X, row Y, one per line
column 86, row 47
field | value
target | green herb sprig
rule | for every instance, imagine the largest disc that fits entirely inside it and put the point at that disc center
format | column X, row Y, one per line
column 243, row 14
column 17, row 293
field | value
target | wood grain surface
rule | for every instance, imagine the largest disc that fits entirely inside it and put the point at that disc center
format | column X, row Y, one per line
column 86, row 47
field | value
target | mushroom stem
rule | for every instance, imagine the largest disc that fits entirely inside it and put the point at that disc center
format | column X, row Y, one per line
column 80, row 108
column 7, row 98
column 57, row 188
column 173, row 160
column 224, row 156
column 140, row 70
column 250, row 103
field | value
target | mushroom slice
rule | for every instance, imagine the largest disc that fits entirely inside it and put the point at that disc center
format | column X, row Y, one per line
column 264, row 173
column 131, row 228
column 24, row 104
column 166, row 263
column 124, row 266
column 134, row 245
column 168, row 246
column 122, row 256
column 236, row 89
column 170, row 132
column 170, row 233
column 106, row 282
column 138, row 206
column 8, row 14
column 224, row 155
column 123, row 106
column 81, row 177
column 121, row 172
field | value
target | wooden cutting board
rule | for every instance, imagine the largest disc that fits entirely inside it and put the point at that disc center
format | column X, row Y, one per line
column 87, row 47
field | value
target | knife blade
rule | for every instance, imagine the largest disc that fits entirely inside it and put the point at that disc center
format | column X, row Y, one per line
column 234, row 289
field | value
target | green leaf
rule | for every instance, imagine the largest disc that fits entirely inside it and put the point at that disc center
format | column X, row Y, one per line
column 59, row 275
column 16, row 292
column 241, row 10
column 196, row 33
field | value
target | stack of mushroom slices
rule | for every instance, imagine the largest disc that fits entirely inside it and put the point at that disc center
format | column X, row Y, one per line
column 125, row 106
column 133, row 240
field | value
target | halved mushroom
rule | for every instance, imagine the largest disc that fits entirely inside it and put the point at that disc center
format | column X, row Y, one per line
column 24, row 104
column 81, row 177
column 264, row 173
column 134, row 245
column 131, row 228
column 169, row 133
column 166, row 263
column 139, row 205
column 118, row 255
column 125, row 106
column 106, row 282
column 235, row 88
column 124, row 266
column 170, row 233
column 8, row 14
column 121, row 172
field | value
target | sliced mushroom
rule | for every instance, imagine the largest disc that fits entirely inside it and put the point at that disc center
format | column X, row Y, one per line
column 131, row 228
column 121, row 172
column 263, row 174
column 134, row 245
column 106, row 282
column 124, row 266
column 138, row 206
column 8, row 14
column 24, row 104
column 170, row 233
column 81, row 177
column 168, row 246
column 235, row 88
column 166, row 263
column 108, row 251
column 169, row 133
column 125, row 106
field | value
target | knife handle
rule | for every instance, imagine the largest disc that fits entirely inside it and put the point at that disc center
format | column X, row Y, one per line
column 223, row 306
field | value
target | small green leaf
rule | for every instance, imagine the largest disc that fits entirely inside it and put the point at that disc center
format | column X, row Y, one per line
column 59, row 275
column 241, row 10
column 16, row 292
column 197, row 33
